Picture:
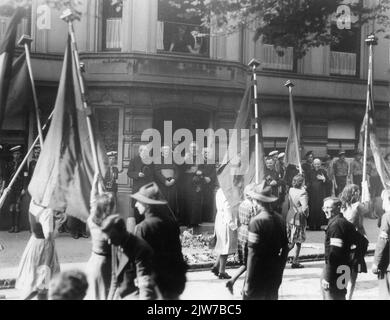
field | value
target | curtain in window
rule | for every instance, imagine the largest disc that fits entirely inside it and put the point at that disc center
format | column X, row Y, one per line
column 343, row 63
column 114, row 33
column 160, row 35
column 272, row 60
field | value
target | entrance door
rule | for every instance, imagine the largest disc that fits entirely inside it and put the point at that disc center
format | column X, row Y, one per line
column 190, row 119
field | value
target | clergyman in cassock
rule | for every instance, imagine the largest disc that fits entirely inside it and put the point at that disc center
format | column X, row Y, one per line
column 162, row 233
column 267, row 248
column 193, row 181
column 166, row 176
column 140, row 173
column 317, row 188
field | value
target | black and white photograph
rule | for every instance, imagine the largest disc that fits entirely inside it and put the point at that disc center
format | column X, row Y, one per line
column 213, row 151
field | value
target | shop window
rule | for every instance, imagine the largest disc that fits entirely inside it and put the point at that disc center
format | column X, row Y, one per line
column 180, row 33
column 112, row 25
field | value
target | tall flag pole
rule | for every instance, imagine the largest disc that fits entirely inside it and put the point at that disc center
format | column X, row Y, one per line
column 25, row 41
column 69, row 16
column 370, row 41
column 292, row 148
column 254, row 64
column 22, row 164
column 7, row 49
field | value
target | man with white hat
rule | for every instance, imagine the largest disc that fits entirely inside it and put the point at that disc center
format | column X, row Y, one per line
column 17, row 189
column 112, row 174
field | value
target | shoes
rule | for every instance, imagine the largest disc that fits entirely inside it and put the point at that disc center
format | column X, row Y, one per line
column 215, row 271
column 229, row 286
column 84, row 235
column 12, row 230
column 16, row 230
column 224, row 275
column 75, row 236
column 297, row 265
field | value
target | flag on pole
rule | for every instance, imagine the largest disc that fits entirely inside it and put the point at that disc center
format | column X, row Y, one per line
column 7, row 49
column 292, row 154
column 64, row 172
column 238, row 167
column 19, row 89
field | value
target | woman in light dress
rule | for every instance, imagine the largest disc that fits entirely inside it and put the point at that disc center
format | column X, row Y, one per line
column 354, row 211
column 226, row 231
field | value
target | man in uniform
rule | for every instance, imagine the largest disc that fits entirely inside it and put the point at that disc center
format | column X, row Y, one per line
column 112, row 174
column 267, row 248
column 340, row 239
column 274, row 155
column 356, row 170
column 340, row 171
column 273, row 180
column 140, row 174
column 381, row 265
column 18, row 188
column 33, row 162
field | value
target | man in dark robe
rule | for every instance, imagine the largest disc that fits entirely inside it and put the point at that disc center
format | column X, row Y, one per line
column 166, row 175
column 307, row 166
column 317, row 186
column 140, row 174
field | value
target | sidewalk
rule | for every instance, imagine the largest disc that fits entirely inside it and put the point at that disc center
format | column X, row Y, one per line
column 75, row 253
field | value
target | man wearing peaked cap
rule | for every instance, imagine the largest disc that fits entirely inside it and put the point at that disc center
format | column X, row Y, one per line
column 33, row 162
column 18, row 188
column 112, row 174
column 267, row 247
column 340, row 171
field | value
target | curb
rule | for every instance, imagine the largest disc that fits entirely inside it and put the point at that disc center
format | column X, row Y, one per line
column 6, row 284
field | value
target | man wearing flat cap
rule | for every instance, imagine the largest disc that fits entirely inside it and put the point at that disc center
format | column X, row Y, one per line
column 340, row 171
column 18, row 188
column 162, row 233
column 134, row 272
column 267, row 248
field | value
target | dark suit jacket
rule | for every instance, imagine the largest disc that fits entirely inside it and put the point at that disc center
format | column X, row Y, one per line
column 136, row 166
column 136, row 263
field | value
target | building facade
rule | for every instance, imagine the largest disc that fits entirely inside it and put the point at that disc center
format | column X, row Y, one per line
column 138, row 76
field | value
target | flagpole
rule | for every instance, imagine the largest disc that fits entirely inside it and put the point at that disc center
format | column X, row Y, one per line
column 370, row 41
column 25, row 41
column 69, row 16
column 22, row 164
column 254, row 64
column 290, row 85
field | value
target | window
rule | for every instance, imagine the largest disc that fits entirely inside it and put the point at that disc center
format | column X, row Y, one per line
column 341, row 135
column 345, row 53
column 179, row 33
column 112, row 25
column 23, row 27
column 275, row 132
column 280, row 59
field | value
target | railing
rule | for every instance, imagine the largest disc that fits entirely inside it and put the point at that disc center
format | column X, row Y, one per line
column 113, row 33
column 343, row 63
column 22, row 28
column 183, row 38
column 270, row 58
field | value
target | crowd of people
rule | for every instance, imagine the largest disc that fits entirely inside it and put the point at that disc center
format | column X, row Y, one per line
column 146, row 261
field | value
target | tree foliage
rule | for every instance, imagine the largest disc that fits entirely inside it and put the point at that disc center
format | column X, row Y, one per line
column 300, row 24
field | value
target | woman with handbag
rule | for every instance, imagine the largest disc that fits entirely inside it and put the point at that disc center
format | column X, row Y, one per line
column 354, row 211
column 297, row 218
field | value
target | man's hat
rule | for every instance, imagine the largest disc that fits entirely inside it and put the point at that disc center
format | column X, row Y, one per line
column 17, row 148
column 282, row 155
column 149, row 194
column 248, row 188
column 112, row 221
column 309, row 153
column 341, row 152
column 273, row 153
column 263, row 193
column 112, row 154
column 37, row 146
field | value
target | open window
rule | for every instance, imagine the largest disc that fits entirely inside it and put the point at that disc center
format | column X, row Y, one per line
column 112, row 25
column 178, row 32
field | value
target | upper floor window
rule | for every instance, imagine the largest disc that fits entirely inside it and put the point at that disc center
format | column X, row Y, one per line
column 177, row 32
column 112, row 25
column 23, row 27
column 275, row 59
column 345, row 52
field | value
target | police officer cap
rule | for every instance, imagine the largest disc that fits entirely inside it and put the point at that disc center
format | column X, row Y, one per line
column 273, row 153
column 341, row 152
column 17, row 148
column 280, row 156
column 112, row 153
